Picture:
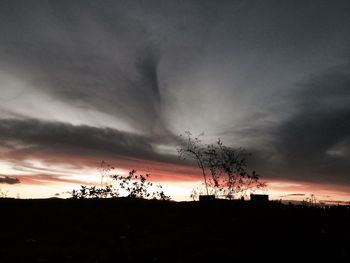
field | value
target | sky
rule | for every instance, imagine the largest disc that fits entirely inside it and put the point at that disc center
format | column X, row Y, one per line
column 83, row 81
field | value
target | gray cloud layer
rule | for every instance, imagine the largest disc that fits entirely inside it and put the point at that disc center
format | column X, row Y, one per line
column 27, row 137
column 9, row 180
column 123, row 77
column 315, row 141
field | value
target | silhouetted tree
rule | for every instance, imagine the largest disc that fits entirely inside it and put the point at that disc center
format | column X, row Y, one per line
column 229, row 170
column 104, row 170
column 226, row 166
column 193, row 149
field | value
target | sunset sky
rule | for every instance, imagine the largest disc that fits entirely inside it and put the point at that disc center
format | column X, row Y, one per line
column 83, row 81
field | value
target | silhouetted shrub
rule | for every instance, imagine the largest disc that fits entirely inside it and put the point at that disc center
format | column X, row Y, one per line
column 94, row 192
column 137, row 186
column 133, row 185
column 227, row 167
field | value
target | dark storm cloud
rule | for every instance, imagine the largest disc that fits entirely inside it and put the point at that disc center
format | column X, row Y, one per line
column 33, row 136
column 315, row 142
column 9, row 180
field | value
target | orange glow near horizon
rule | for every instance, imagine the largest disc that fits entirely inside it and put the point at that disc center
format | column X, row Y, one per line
column 41, row 179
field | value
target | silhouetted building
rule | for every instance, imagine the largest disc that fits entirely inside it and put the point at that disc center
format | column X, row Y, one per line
column 259, row 198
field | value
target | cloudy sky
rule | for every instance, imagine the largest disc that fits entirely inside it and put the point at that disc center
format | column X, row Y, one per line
column 83, row 81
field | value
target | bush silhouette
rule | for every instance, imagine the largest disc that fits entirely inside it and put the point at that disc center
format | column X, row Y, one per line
column 137, row 186
column 133, row 184
column 95, row 192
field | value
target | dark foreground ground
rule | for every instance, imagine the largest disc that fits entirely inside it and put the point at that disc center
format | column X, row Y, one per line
column 124, row 230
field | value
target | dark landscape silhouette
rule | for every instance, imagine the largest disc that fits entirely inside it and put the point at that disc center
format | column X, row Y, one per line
column 138, row 230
